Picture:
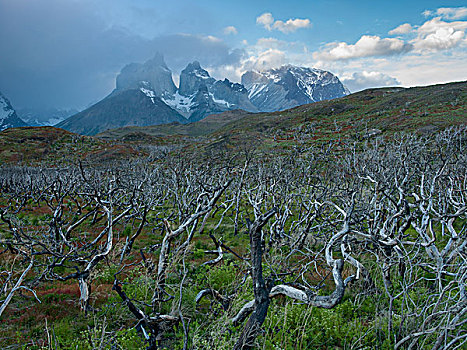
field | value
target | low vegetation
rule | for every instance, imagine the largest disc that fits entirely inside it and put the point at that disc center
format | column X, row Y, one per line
column 350, row 240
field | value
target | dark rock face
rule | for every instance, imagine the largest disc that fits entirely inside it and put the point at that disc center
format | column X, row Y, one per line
column 192, row 78
column 155, row 72
column 8, row 116
column 291, row 86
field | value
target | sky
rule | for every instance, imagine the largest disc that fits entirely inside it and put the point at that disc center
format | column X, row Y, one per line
column 67, row 53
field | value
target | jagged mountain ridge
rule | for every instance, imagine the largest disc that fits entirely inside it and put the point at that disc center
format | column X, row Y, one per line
column 200, row 95
column 8, row 116
column 291, row 86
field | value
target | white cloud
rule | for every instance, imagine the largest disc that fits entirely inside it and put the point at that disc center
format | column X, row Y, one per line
column 449, row 13
column 266, row 20
column 256, row 60
column 433, row 35
column 433, row 24
column 402, row 29
column 433, row 68
column 271, row 58
column 289, row 26
column 211, row 38
column 363, row 80
column 441, row 39
column 230, row 30
column 366, row 46
column 436, row 34
column 427, row 13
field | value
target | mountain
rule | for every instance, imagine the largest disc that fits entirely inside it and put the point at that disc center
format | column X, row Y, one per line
column 356, row 117
column 291, row 86
column 44, row 116
column 153, row 98
column 200, row 95
column 135, row 107
column 8, row 116
column 154, row 72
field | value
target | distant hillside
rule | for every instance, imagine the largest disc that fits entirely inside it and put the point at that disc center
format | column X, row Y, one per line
column 203, row 127
column 46, row 144
column 46, row 116
column 383, row 111
column 357, row 116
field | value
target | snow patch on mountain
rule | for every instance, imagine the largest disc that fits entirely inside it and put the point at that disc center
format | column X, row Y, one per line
column 148, row 93
column 201, row 73
column 256, row 89
column 220, row 101
column 181, row 103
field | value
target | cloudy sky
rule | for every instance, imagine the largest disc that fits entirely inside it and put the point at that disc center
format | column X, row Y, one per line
column 67, row 53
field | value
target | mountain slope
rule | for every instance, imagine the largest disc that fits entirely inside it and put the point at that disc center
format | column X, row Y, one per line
column 8, row 116
column 139, row 107
column 361, row 115
column 203, row 127
column 355, row 118
column 51, row 146
column 290, row 86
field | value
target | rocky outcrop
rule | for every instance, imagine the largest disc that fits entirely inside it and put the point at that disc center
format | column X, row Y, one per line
column 155, row 72
column 192, row 78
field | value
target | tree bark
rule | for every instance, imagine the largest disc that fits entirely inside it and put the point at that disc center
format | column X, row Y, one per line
column 261, row 290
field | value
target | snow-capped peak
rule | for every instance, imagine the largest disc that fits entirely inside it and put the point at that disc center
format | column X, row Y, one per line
column 290, row 86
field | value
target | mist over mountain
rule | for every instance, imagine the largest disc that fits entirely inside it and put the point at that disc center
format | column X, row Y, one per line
column 153, row 71
column 8, row 116
column 44, row 116
column 146, row 94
